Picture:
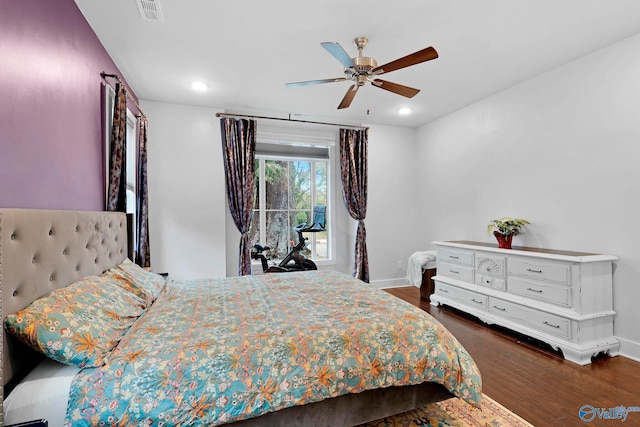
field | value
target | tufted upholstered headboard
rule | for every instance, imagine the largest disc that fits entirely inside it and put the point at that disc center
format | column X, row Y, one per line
column 43, row 250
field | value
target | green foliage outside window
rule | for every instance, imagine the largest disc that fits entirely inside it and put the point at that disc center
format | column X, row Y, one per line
column 292, row 188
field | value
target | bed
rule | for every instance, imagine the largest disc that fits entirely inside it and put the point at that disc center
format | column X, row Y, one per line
column 309, row 348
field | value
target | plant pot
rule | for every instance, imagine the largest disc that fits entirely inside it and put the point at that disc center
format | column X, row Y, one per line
column 504, row 242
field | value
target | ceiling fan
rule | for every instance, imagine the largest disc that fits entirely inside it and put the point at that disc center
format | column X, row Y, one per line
column 362, row 69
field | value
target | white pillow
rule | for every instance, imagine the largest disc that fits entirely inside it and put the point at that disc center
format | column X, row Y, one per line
column 43, row 394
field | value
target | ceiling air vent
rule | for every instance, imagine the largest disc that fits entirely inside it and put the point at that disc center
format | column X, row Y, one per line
column 150, row 10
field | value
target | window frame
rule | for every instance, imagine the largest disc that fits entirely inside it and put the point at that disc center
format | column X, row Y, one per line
column 327, row 143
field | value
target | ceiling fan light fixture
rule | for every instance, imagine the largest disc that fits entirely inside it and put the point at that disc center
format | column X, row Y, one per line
column 404, row 111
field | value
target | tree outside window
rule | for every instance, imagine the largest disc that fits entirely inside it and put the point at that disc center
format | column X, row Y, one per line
column 286, row 192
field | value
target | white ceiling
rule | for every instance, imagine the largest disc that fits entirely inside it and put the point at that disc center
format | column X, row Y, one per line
column 246, row 50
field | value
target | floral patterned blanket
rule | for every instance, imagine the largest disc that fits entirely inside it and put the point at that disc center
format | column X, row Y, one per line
column 209, row 352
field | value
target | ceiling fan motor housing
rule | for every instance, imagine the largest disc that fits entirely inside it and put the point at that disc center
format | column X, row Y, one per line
column 363, row 69
column 364, row 64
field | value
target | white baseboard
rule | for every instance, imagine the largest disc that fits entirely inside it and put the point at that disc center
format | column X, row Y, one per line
column 629, row 349
column 390, row 283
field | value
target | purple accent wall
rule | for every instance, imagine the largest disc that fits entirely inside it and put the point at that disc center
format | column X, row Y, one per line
column 51, row 138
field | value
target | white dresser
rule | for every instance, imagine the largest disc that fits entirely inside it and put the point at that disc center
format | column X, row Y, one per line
column 562, row 298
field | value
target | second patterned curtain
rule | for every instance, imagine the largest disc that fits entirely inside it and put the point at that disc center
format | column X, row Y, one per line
column 143, row 257
column 354, row 172
column 238, row 154
column 117, row 190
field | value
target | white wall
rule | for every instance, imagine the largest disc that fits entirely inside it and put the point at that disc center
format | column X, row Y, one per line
column 393, row 200
column 186, row 191
column 561, row 150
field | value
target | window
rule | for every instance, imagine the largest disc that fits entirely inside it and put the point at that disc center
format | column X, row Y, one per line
column 132, row 173
column 290, row 181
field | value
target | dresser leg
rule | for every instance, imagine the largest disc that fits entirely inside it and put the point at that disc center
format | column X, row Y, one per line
column 584, row 357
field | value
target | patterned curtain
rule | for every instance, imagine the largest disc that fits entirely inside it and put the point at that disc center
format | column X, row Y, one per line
column 238, row 154
column 143, row 258
column 117, row 190
column 353, row 168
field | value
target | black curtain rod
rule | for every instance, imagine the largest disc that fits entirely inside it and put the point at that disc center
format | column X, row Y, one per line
column 117, row 77
column 105, row 75
column 289, row 120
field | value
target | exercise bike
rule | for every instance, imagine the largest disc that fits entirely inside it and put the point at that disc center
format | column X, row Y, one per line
column 294, row 260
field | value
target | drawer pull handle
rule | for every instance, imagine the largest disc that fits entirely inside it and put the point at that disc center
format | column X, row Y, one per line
column 551, row 324
column 476, row 301
column 535, row 290
column 499, row 308
column 454, row 271
column 454, row 257
column 534, row 271
column 444, row 290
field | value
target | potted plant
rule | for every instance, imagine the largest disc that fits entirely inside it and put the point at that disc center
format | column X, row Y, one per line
column 504, row 229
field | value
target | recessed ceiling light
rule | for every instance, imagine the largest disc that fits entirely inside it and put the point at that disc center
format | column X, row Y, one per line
column 404, row 111
column 199, row 86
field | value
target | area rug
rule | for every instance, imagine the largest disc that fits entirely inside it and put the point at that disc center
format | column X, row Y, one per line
column 455, row 413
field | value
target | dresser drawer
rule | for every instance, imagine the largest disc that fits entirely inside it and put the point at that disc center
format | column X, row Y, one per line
column 455, row 271
column 539, row 320
column 464, row 296
column 491, row 282
column 559, row 273
column 555, row 294
column 455, row 256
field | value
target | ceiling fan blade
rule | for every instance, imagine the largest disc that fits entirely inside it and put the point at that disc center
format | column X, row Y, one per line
column 407, row 91
column 339, row 53
column 346, row 101
column 315, row 82
column 423, row 55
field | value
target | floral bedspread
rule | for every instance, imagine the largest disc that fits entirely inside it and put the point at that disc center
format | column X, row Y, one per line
column 213, row 351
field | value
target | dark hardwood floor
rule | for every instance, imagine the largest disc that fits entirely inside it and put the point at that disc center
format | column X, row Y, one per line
column 534, row 381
